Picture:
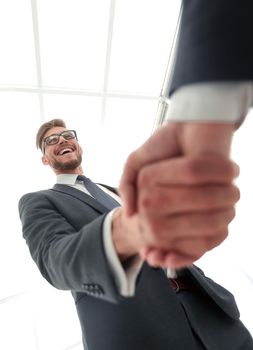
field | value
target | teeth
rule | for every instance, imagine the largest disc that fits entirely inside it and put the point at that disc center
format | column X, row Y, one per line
column 64, row 150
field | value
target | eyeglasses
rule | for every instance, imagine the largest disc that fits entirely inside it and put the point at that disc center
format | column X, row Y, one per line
column 54, row 138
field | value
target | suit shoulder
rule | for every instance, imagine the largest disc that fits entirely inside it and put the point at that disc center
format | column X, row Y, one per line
column 35, row 194
column 31, row 196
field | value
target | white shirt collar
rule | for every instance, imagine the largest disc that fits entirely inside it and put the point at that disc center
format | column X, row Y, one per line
column 66, row 179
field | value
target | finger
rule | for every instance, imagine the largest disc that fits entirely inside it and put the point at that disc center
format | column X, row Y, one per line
column 204, row 169
column 195, row 246
column 178, row 261
column 127, row 187
column 144, row 252
column 162, row 232
column 186, row 252
column 161, row 201
column 159, row 258
column 155, row 257
column 183, row 252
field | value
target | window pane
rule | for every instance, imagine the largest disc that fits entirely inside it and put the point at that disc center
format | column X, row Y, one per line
column 142, row 38
column 128, row 123
column 17, row 59
column 20, row 119
column 73, row 38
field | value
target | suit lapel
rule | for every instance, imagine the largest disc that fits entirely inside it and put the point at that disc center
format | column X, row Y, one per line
column 220, row 295
column 87, row 199
column 113, row 189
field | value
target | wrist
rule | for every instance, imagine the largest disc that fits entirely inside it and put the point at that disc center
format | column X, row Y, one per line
column 123, row 235
column 206, row 138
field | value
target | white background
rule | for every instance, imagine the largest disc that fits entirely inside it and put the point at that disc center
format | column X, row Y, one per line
column 99, row 65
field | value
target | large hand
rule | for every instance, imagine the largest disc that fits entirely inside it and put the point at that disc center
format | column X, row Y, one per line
column 185, row 206
column 171, row 140
column 186, row 140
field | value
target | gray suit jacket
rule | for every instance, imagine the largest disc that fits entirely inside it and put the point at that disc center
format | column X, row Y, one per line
column 63, row 229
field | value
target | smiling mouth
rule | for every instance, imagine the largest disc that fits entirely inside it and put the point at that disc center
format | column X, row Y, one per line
column 64, row 151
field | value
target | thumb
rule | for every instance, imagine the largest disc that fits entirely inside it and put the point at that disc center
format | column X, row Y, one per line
column 161, row 145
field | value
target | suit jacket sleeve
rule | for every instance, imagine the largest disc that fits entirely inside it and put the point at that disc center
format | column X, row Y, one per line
column 68, row 252
column 214, row 42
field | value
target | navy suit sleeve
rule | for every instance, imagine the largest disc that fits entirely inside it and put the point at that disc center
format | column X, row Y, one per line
column 214, row 42
column 70, row 257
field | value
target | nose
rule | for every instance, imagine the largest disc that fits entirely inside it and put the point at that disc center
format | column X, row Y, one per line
column 61, row 139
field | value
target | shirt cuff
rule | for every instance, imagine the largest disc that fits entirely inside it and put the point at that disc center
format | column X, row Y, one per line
column 124, row 276
column 224, row 102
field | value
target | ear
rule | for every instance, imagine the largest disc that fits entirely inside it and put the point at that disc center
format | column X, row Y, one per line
column 44, row 160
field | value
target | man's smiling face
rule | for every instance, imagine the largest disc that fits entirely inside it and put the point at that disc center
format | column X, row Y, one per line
column 65, row 156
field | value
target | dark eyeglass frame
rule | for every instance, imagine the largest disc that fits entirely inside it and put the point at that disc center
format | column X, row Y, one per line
column 65, row 134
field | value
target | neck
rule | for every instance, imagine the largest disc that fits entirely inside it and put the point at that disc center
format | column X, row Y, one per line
column 77, row 170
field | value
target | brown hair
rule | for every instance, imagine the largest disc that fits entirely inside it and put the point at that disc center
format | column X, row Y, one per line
column 44, row 129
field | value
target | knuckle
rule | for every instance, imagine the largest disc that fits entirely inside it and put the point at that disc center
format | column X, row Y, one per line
column 224, row 217
column 154, row 199
column 217, row 239
column 231, row 214
column 148, row 201
column 192, row 168
column 219, row 196
column 224, row 235
column 227, row 168
column 220, row 219
column 206, row 167
column 154, row 228
column 214, row 220
column 154, row 233
column 150, row 230
column 144, row 178
column 235, row 193
column 162, row 198
column 145, row 202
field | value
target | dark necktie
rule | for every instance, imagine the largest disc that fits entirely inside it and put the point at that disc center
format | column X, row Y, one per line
column 98, row 194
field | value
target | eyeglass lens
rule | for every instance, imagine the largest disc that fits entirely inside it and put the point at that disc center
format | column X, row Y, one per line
column 53, row 139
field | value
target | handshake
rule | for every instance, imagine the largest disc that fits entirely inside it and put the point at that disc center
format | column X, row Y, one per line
column 178, row 195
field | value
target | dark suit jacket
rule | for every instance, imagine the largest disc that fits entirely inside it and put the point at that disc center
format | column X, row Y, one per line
column 63, row 229
column 215, row 42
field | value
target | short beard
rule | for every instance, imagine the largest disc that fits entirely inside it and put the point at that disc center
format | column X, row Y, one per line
column 71, row 165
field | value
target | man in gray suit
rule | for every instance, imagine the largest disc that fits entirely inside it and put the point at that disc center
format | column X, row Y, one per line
column 82, row 240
